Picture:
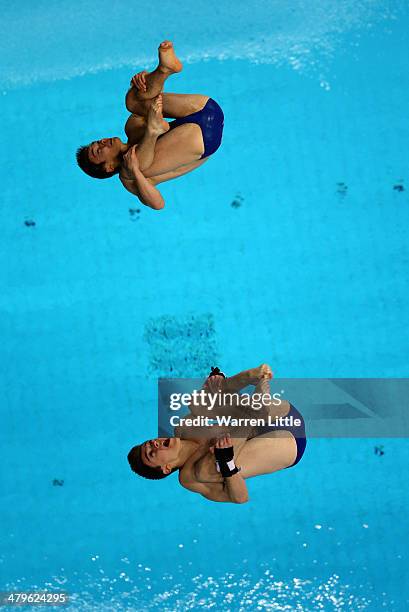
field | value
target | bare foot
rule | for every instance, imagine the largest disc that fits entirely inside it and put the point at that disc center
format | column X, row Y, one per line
column 262, row 372
column 213, row 384
column 156, row 122
column 168, row 62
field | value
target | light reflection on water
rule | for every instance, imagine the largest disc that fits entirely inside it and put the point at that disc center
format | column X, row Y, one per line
column 228, row 591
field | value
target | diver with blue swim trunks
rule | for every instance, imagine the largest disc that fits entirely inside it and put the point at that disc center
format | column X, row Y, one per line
column 156, row 150
column 218, row 466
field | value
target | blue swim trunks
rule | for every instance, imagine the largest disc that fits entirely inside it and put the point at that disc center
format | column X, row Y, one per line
column 298, row 432
column 211, row 121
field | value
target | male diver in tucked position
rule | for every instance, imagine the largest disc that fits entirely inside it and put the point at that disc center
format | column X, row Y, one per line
column 218, row 469
column 157, row 151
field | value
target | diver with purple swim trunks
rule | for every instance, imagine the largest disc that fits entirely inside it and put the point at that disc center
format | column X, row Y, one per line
column 156, row 150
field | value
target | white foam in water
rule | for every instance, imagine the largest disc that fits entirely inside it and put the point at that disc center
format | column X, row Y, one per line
column 46, row 42
column 230, row 591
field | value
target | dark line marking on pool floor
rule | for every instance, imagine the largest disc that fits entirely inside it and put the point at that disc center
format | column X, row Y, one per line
column 342, row 189
column 134, row 213
column 238, row 201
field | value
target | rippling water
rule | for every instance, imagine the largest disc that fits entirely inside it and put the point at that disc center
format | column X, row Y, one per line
column 230, row 591
column 64, row 40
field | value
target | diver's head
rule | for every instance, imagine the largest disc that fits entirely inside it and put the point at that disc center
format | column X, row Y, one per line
column 101, row 158
column 155, row 459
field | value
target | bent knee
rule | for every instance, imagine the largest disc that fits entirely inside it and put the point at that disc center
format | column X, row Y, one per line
column 199, row 102
column 242, row 500
column 136, row 103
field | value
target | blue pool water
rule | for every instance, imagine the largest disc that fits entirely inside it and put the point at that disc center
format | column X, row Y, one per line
column 289, row 246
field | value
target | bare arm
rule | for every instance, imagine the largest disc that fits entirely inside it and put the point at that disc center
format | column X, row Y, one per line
column 134, row 181
column 143, row 189
column 172, row 174
column 232, row 489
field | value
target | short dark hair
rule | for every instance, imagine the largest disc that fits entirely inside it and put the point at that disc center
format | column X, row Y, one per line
column 87, row 166
column 140, row 468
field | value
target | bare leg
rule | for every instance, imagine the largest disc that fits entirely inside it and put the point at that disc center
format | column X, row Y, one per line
column 177, row 148
column 168, row 64
column 156, row 126
column 179, row 105
column 181, row 171
column 135, row 128
column 173, row 151
column 262, row 389
column 267, row 453
column 174, row 106
column 270, row 407
column 248, row 377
